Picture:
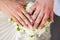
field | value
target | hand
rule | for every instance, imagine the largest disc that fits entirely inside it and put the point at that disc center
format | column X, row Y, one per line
column 17, row 12
column 43, row 9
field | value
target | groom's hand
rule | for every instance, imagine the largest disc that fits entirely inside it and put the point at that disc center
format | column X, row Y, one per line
column 43, row 9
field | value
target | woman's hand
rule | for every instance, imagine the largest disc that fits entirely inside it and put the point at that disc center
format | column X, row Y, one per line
column 43, row 9
column 17, row 12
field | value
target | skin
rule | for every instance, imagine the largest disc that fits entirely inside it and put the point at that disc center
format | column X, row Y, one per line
column 43, row 11
column 15, row 10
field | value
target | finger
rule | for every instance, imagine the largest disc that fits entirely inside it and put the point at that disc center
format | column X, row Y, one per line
column 46, row 16
column 36, row 13
column 32, row 8
column 15, row 19
column 20, row 19
column 15, row 13
column 52, row 16
column 27, row 15
column 24, row 18
column 39, row 18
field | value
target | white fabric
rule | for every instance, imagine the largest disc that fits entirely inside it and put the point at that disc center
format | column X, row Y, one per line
column 57, row 7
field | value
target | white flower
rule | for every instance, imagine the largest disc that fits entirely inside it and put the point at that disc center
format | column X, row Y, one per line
column 28, row 6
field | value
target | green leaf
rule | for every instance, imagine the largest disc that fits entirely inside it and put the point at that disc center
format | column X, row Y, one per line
column 25, row 6
column 31, row 36
column 11, row 19
column 46, row 29
column 49, row 20
column 17, row 25
column 18, row 29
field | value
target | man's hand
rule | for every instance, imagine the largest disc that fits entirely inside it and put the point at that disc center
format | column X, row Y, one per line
column 17, row 12
column 43, row 9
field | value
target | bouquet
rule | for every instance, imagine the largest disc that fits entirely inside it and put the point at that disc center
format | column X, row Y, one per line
column 30, row 33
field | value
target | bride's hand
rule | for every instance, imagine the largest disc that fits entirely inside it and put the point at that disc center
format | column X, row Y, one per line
column 17, row 12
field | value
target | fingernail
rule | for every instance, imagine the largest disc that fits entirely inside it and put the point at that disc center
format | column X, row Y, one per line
column 52, row 21
column 30, row 26
column 40, row 27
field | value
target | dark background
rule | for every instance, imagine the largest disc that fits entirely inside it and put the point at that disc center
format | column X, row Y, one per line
column 55, row 28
